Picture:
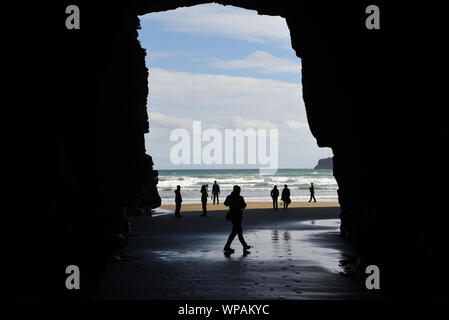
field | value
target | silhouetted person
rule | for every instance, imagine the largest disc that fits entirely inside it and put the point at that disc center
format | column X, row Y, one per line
column 275, row 195
column 178, row 201
column 312, row 193
column 204, row 199
column 286, row 196
column 236, row 204
column 215, row 191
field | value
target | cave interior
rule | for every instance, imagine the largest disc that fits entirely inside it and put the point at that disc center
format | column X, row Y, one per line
column 93, row 161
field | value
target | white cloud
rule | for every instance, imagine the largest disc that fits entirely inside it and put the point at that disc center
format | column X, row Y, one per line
column 158, row 54
column 263, row 62
column 167, row 121
column 226, row 21
column 242, row 123
column 185, row 94
column 219, row 101
column 293, row 124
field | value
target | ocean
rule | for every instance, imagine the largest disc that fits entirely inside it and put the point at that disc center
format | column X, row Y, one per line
column 255, row 187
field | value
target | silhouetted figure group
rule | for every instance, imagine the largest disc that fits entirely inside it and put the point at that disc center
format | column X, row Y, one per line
column 236, row 204
column 285, row 197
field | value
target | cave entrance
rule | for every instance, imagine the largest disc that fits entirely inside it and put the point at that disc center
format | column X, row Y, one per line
column 216, row 72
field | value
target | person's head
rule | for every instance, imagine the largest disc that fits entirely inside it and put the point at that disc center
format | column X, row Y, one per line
column 236, row 190
column 275, row 187
column 215, row 181
column 285, row 186
column 178, row 187
column 311, row 184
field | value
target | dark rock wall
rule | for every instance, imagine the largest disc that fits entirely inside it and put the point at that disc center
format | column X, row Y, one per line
column 96, row 90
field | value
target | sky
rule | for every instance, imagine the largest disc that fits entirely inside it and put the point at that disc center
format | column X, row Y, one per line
column 229, row 68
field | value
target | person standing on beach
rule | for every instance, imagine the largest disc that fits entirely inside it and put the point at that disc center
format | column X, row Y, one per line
column 236, row 204
column 178, row 201
column 204, row 199
column 312, row 193
column 215, row 191
column 286, row 196
column 275, row 195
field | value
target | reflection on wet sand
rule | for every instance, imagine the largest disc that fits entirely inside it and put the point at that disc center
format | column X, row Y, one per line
column 296, row 243
column 290, row 258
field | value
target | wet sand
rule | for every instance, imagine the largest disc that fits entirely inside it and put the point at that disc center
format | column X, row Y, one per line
column 295, row 254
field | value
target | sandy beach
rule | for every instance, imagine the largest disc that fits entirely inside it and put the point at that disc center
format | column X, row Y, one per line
column 251, row 205
column 295, row 254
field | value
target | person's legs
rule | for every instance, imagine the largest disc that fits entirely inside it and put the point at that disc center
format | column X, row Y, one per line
column 274, row 206
column 231, row 237
column 314, row 198
column 311, row 195
column 276, row 200
column 204, row 208
column 178, row 209
column 239, row 231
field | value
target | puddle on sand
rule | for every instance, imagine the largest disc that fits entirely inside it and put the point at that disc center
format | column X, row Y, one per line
column 285, row 246
column 161, row 212
column 331, row 223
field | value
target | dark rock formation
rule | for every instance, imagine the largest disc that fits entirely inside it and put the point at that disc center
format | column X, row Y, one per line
column 324, row 164
column 87, row 97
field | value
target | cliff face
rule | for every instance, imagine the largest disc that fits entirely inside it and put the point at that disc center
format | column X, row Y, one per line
column 97, row 117
column 324, row 164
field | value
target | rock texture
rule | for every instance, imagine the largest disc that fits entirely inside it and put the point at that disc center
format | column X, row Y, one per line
column 90, row 86
column 324, row 164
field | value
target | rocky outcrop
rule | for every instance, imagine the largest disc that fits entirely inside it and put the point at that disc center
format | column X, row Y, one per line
column 325, row 163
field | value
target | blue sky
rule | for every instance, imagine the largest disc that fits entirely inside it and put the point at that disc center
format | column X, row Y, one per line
column 229, row 68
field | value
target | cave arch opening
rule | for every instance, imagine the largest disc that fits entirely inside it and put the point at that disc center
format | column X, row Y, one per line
column 221, row 68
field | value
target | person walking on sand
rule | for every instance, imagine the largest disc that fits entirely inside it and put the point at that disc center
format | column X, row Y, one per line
column 275, row 195
column 236, row 204
column 215, row 191
column 286, row 196
column 312, row 193
column 204, row 199
column 178, row 201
